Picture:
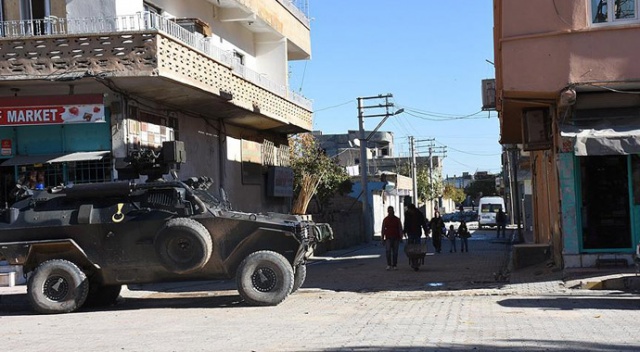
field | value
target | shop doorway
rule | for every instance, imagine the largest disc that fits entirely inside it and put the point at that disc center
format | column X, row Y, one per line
column 605, row 210
column 7, row 184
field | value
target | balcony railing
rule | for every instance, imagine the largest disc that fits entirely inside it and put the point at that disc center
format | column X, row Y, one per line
column 145, row 21
column 299, row 8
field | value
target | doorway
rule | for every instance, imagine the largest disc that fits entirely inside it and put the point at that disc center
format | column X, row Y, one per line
column 605, row 207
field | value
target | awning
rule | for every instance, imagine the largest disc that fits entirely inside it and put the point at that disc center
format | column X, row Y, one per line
column 608, row 137
column 80, row 156
column 29, row 159
column 53, row 158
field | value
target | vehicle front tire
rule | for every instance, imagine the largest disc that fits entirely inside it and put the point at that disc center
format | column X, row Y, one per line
column 183, row 245
column 57, row 286
column 264, row 278
column 299, row 277
column 102, row 295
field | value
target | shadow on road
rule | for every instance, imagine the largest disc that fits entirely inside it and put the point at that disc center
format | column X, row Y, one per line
column 526, row 345
column 573, row 303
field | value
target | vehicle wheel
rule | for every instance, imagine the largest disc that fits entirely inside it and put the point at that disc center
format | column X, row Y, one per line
column 57, row 286
column 264, row 278
column 183, row 245
column 299, row 277
column 102, row 295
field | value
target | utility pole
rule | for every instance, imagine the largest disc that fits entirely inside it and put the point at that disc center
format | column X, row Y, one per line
column 414, row 171
column 432, row 149
column 516, row 192
column 367, row 225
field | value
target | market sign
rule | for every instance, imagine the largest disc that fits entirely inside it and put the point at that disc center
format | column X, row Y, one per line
column 51, row 110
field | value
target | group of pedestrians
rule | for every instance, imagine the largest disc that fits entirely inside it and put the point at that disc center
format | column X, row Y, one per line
column 463, row 233
column 415, row 223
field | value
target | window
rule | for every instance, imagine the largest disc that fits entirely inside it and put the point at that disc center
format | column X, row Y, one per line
column 89, row 171
column 151, row 8
column 151, row 13
column 537, row 129
column 609, row 11
column 35, row 9
column 38, row 11
column 238, row 56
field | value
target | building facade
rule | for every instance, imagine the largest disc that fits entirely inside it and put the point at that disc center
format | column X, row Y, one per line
column 83, row 84
column 567, row 92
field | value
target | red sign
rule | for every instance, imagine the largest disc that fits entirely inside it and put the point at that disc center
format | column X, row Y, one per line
column 51, row 110
column 5, row 148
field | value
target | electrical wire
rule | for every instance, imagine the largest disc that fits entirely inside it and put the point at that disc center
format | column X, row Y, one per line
column 435, row 117
column 304, row 73
column 334, row 106
column 612, row 89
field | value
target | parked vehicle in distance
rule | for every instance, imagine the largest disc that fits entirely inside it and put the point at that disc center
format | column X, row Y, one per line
column 487, row 209
column 79, row 244
column 467, row 216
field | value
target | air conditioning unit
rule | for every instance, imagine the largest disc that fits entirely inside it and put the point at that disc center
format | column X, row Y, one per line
column 488, row 94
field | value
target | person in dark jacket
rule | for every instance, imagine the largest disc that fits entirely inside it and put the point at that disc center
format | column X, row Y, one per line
column 414, row 223
column 437, row 225
column 463, row 233
column 501, row 222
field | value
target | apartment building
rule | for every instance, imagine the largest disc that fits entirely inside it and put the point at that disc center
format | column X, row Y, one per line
column 568, row 92
column 85, row 83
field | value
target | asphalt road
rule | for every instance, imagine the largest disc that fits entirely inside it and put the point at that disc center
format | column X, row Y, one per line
column 456, row 302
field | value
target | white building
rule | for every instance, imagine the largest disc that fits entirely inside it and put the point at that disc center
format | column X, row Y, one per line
column 118, row 75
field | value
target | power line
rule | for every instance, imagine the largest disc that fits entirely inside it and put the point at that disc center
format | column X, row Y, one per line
column 334, row 106
column 442, row 118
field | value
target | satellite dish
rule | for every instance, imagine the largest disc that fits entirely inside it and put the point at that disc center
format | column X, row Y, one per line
column 356, row 142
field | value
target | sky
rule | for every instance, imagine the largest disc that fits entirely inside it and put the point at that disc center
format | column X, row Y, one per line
column 430, row 54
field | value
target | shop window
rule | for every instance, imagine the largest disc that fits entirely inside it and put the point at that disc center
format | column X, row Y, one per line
column 90, row 171
column 605, row 213
column 41, row 176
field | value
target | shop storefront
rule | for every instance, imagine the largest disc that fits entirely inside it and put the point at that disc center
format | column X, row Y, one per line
column 52, row 140
column 600, row 182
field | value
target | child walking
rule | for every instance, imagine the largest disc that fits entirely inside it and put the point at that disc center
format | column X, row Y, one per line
column 463, row 233
column 451, row 235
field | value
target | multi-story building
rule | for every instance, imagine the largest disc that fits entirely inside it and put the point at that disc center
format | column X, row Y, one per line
column 567, row 91
column 84, row 83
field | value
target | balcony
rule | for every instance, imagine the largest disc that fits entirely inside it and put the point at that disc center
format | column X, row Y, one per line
column 152, row 57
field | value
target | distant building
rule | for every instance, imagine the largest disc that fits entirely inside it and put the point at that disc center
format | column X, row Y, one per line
column 380, row 153
column 461, row 181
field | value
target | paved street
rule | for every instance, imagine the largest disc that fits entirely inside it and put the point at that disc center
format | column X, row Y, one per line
column 350, row 303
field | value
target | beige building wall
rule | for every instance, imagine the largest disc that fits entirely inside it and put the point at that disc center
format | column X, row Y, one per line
column 541, row 49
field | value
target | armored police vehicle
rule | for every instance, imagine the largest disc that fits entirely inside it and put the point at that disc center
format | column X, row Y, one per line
column 79, row 244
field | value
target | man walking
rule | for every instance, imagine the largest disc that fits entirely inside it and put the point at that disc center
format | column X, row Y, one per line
column 414, row 224
column 391, row 237
column 437, row 230
column 501, row 222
